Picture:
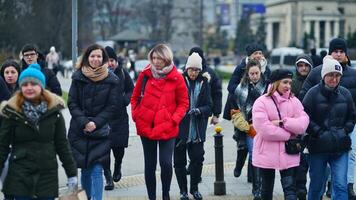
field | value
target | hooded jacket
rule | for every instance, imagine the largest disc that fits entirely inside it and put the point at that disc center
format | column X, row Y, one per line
column 33, row 167
column 298, row 79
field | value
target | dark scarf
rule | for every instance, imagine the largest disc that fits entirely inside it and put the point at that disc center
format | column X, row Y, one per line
column 34, row 112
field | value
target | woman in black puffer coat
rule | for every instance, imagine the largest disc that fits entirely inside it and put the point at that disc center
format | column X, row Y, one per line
column 92, row 100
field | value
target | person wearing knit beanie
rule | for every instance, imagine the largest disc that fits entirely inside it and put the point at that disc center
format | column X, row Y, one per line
column 33, row 74
column 251, row 48
column 330, row 65
column 111, row 53
column 194, row 61
column 337, row 43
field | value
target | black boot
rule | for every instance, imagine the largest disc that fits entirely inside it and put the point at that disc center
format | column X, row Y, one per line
column 195, row 176
column 109, row 181
column 181, row 175
column 328, row 190
column 256, row 183
column 249, row 171
column 350, row 189
column 240, row 161
column 117, row 172
column 289, row 188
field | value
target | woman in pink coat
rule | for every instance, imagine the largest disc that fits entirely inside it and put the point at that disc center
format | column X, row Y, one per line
column 277, row 117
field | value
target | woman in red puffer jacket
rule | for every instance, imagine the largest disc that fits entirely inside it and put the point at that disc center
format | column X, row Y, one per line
column 158, row 103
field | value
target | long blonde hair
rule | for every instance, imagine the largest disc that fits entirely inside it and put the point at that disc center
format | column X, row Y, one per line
column 273, row 88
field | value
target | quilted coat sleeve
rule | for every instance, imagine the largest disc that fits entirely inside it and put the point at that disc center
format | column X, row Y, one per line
column 5, row 139
column 136, row 93
column 74, row 105
column 299, row 122
column 308, row 103
column 264, row 126
column 182, row 100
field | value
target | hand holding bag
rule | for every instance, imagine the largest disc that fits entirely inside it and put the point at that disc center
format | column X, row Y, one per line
column 99, row 133
column 294, row 145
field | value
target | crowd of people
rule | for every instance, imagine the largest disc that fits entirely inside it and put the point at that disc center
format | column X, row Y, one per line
column 296, row 122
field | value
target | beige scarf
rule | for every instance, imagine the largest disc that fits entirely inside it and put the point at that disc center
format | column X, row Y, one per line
column 96, row 74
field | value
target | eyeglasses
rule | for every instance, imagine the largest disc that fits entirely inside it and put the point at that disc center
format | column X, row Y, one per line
column 196, row 70
column 27, row 55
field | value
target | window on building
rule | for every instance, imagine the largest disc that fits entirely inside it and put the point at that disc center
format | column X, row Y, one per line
column 319, row 8
column 332, row 26
column 341, row 10
column 322, row 34
column 342, row 28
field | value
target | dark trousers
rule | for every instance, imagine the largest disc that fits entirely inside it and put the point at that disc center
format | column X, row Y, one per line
column 118, row 155
column 301, row 173
column 166, row 148
column 287, row 180
column 196, row 156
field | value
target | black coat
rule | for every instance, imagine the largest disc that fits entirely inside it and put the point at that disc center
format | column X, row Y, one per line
column 216, row 91
column 204, row 104
column 52, row 83
column 119, row 135
column 91, row 99
column 348, row 80
column 332, row 117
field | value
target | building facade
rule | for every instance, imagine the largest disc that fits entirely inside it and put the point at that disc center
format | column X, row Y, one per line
column 289, row 22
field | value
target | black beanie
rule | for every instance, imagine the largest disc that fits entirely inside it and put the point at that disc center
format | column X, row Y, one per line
column 280, row 74
column 337, row 43
column 111, row 52
column 250, row 48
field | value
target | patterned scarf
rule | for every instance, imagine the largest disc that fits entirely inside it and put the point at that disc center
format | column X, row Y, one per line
column 34, row 112
column 96, row 74
column 247, row 94
column 162, row 73
column 194, row 91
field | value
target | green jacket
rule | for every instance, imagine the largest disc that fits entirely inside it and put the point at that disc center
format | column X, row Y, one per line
column 33, row 168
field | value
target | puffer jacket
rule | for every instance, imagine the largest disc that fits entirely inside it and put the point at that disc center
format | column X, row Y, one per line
column 165, row 101
column 33, row 167
column 332, row 118
column 269, row 143
column 96, row 100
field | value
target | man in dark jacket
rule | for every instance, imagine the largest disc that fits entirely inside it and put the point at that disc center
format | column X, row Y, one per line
column 119, row 135
column 303, row 65
column 30, row 55
column 338, row 51
column 253, row 51
column 332, row 118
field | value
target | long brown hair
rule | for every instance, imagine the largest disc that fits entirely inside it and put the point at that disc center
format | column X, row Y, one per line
column 84, row 61
column 251, row 63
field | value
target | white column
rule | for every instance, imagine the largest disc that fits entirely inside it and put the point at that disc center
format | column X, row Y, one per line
column 327, row 32
column 307, row 26
column 317, row 33
column 269, row 38
column 336, row 28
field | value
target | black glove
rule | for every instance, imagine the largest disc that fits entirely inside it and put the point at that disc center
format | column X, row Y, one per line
column 194, row 111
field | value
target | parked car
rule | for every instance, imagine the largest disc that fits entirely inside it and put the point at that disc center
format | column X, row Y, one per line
column 284, row 58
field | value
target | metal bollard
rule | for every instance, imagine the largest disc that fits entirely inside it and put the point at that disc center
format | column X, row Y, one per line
column 219, row 184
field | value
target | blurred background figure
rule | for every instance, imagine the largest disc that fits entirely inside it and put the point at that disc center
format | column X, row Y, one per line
column 53, row 63
column 315, row 58
column 10, row 72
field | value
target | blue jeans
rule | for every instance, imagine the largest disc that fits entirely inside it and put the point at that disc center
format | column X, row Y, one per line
column 249, row 141
column 352, row 158
column 338, row 170
column 92, row 182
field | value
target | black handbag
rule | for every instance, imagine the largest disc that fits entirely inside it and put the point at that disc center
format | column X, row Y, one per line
column 294, row 145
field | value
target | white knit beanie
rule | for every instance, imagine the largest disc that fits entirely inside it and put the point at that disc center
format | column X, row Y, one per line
column 330, row 65
column 194, row 61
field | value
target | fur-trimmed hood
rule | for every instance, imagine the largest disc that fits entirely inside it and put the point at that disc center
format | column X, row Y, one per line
column 55, row 101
